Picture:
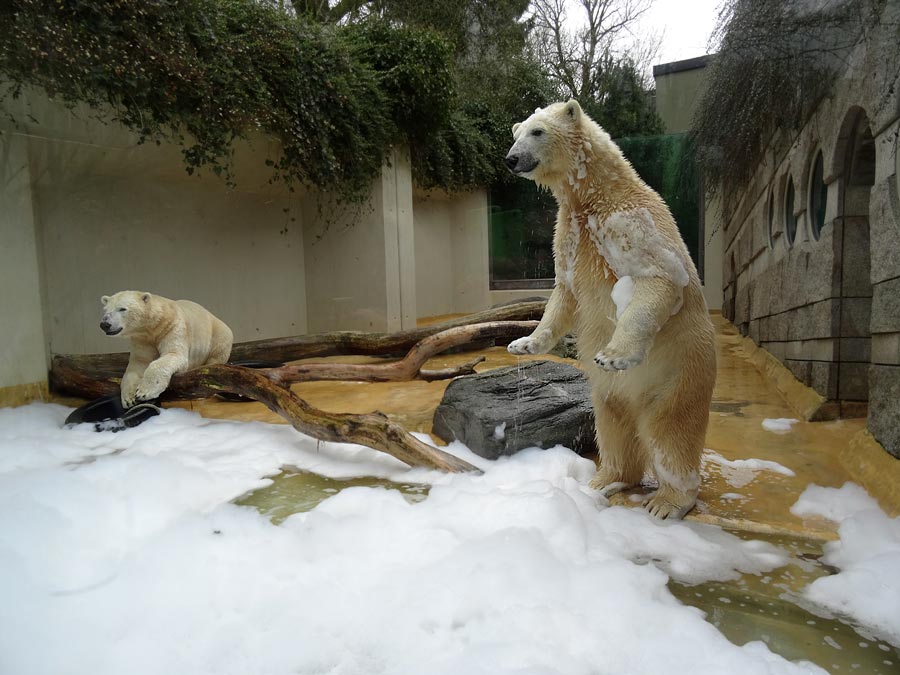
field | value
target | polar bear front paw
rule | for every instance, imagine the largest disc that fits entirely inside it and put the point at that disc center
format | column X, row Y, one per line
column 613, row 359
column 148, row 390
column 529, row 345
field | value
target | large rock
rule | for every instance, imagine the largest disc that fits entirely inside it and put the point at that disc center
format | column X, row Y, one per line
column 537, row 404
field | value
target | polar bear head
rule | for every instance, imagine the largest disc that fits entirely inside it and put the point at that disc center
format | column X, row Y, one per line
column 125, row 312
column 541, row 151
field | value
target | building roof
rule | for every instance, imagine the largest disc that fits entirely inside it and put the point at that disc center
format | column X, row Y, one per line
column 679, row 66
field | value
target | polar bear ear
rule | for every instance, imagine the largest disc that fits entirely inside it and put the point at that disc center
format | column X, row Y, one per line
column 145, row 297
column 104, row 299
column 573, row 110
column 516, row 128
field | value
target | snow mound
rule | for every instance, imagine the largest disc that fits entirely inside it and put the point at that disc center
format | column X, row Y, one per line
column 780, row 425
column 867, row 588
column 121, row 553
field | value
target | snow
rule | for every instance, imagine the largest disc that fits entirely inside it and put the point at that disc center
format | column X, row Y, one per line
column 740, row 472
column 867, row 588
column 120, row 552
column 500, row 431
column 781, row 425
column 630, row 242
column 622, row 293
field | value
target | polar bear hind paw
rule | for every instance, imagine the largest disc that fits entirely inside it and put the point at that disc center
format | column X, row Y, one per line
column 662, row 508
column 614, row 359
column 609, row 489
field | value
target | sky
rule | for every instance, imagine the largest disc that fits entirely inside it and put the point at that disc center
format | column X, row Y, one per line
column 685, row 26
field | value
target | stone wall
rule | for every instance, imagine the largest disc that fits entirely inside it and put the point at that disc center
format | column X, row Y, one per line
column 827, row 304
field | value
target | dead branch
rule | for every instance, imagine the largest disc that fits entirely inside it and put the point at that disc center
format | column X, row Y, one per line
column 271, row 387
column 340, row 343
column 82, row 376
column 374, row 430
column 408, row 368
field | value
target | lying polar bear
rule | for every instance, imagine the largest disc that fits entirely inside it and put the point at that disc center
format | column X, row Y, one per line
column 167, row 337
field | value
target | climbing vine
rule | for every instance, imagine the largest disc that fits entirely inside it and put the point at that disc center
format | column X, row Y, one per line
column 203, row 73
column 775, row 63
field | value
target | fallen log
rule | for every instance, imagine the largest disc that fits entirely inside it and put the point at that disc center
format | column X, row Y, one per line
column 374, row 430
column 410, row 366
column 271, row 387
column 340, row 343
column 75, row 376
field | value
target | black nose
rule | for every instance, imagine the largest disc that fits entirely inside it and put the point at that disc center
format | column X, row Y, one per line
column 104, row 325
column 511, row 161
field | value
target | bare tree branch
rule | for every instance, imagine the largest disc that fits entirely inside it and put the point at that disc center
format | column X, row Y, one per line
column 577, row 58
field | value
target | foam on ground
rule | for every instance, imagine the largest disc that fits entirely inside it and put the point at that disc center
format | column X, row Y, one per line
column 121, row 553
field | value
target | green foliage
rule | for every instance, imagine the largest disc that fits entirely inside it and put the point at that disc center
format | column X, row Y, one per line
column 624, row 107
column 203, row 73
column 668, row 165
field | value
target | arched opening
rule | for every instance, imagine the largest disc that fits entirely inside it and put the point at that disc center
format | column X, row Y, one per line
column 855, row 301
column 770, row 218
column 818, row 196
column 790, row 219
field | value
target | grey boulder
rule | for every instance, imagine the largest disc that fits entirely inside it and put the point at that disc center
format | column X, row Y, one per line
column 538, row 404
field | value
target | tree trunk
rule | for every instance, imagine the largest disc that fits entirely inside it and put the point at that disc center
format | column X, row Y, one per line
column 81, row 376
column 341, row 343
column 271, row 387
column 374, row 431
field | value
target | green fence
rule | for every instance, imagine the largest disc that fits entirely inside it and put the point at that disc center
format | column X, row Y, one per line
column 522, row 217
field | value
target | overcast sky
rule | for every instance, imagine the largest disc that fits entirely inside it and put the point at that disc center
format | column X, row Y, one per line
column 685, row 25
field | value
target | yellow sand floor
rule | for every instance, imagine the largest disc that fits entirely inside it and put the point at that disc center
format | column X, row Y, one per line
column 824, row 453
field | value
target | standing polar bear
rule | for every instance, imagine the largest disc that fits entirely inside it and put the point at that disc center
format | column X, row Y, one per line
column 167, row 337
column 626, row 283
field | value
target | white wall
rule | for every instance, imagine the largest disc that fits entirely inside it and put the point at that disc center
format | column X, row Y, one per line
column 434, row 256
column 713, row 254
column 110, row 214
column 451, row 234
column 87, row 211
column 22, row 356
column 360, row 258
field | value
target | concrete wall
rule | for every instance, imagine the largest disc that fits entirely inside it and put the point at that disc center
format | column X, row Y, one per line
column 361, row 259
column 237, row 253
column 451, row 249
column 87, row 211
column 828, row 307
column 22, row 356
column 679, row 86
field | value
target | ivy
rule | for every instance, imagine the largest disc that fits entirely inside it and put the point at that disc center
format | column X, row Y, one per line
column 203, row 73
column 776, row 62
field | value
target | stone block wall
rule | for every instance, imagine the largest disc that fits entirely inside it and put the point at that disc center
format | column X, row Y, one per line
column 828, row 307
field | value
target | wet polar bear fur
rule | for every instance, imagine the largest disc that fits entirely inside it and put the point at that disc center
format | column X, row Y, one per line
column 167, row 337
column 626, row 284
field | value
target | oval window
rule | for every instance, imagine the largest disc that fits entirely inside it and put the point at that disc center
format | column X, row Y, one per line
column 790, row 220
column 818, row 197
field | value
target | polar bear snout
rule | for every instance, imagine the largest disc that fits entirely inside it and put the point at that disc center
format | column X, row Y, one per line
column 521, row 163
column 109, row 329
column 111, row 324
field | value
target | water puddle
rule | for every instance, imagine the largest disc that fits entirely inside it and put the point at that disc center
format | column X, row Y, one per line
column 300, row 491
column 770, row 608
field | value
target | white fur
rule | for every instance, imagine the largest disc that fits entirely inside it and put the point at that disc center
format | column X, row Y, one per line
column 167, row 337
column 627, row 286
